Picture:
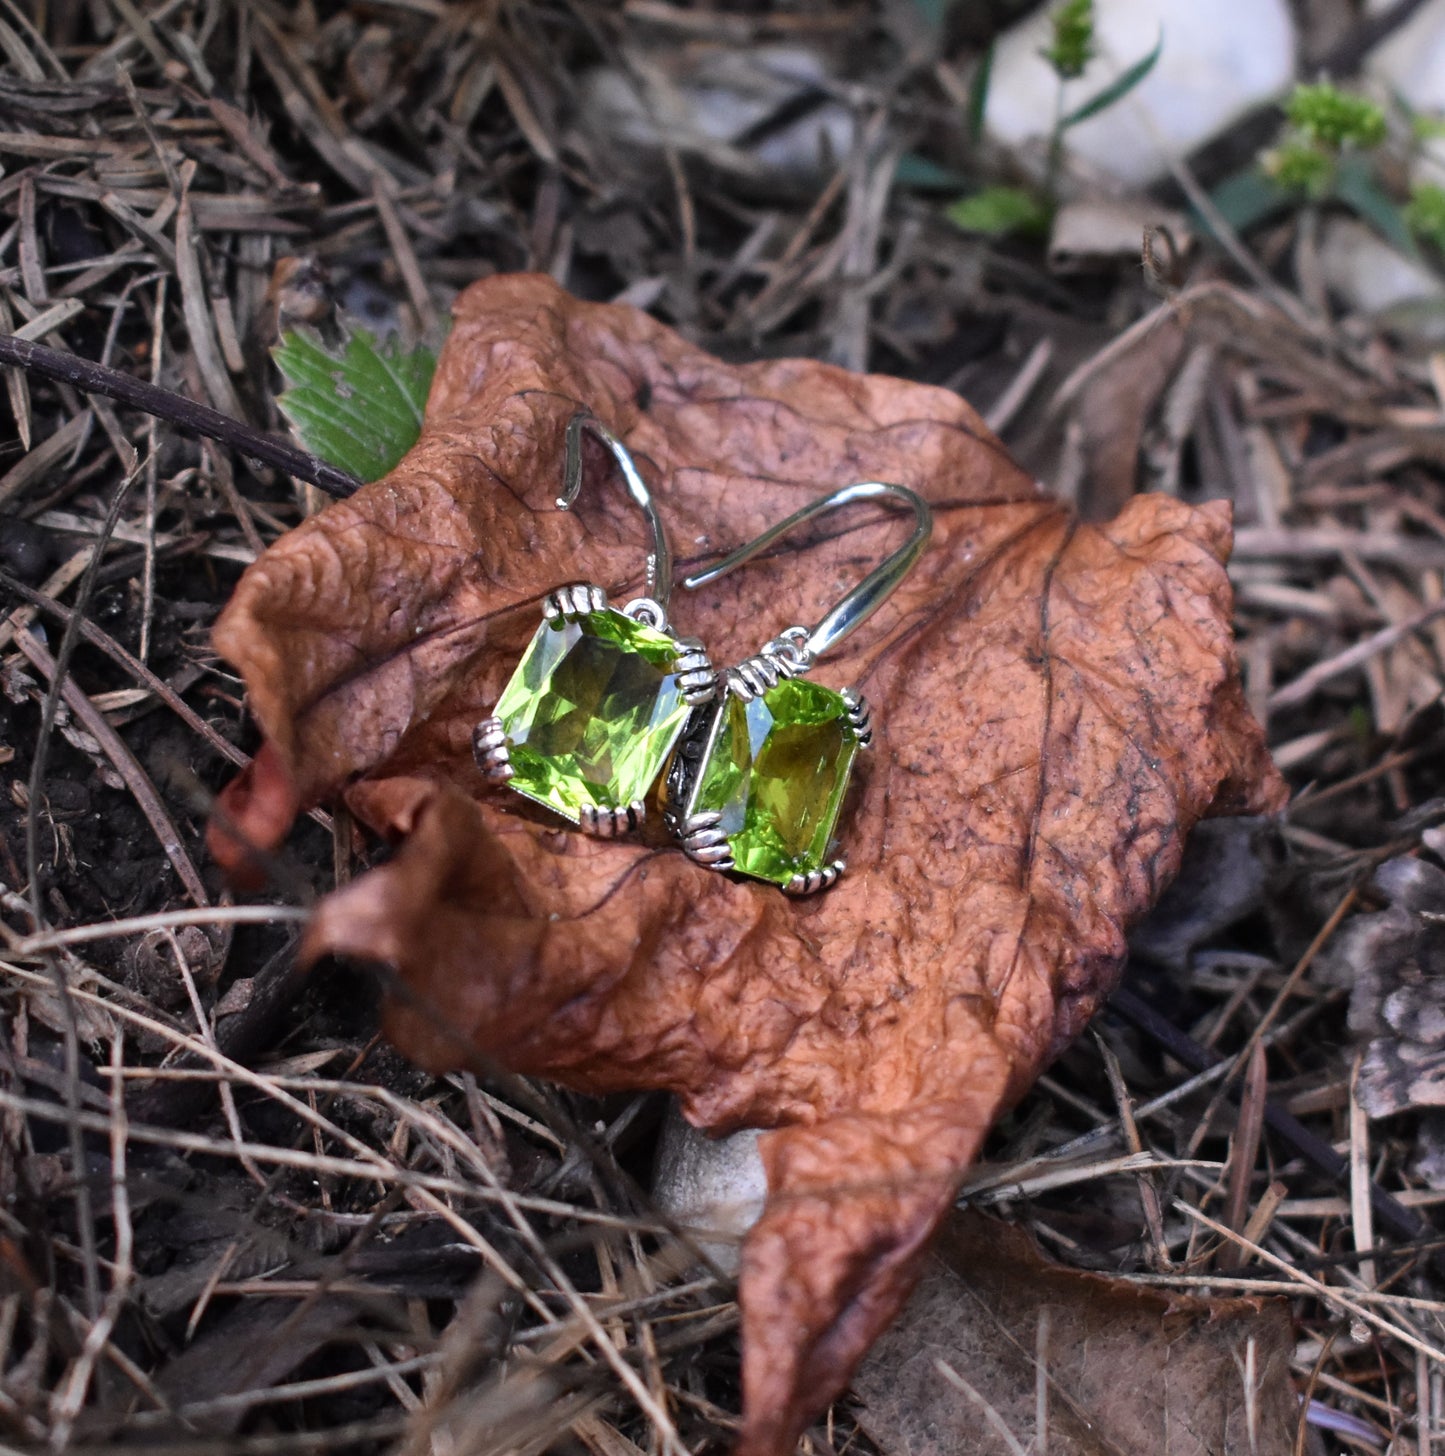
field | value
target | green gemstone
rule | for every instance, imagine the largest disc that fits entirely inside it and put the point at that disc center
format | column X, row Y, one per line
column 592, row 712
column 776, row 770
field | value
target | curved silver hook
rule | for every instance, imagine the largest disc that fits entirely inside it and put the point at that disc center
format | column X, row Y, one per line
column 875, row 588
column 659, row 559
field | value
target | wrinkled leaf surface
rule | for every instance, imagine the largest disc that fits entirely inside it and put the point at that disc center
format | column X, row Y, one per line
column 1055, row 705
column 1110, row 1366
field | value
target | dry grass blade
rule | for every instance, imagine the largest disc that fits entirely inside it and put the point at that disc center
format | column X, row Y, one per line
column 508, row 1289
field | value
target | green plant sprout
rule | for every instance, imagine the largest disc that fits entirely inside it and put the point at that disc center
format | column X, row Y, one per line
column 1334, row 118
column 998, row 212
column 1332, row 151
column 1324, row 124
column 1003, row 210
column 1073, row 43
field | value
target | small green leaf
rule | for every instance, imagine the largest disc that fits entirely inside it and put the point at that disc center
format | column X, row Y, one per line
column 933, row 13
column 1116, row 90
column 998, row 211
column 926, row 176
column 361, row 409
column 1427, row 126
column 1301, row 164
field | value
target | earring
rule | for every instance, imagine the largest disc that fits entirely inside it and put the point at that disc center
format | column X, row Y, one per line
column 601, row 696
column 759, row 780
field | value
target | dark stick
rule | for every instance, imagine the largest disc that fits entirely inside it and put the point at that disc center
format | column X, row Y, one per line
column 1403, row 1222
column 185, row 414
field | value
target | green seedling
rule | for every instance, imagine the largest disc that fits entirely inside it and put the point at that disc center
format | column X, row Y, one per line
column 1335, row 119
column 1072, row 47
column 1001, row 211
column 1331, row 152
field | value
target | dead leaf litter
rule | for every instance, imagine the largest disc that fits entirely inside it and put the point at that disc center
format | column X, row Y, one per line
column 464, row 1256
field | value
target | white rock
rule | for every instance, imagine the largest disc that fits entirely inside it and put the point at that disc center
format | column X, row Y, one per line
column 1218, row 61
column 1367, row 274
column 1411, row 64
column 712, row 1185
column 706, row 98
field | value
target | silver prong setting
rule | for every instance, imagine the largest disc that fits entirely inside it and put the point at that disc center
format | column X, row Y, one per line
column 704, row 842
column 787, row 655
column 604, row 823
column 696, row 676
column 568, row 603
column 816, row 880
column 860, row 717
column 492, row 750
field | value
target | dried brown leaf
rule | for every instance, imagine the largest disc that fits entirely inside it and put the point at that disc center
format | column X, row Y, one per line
column 1057, row 704
column 1122, row 1367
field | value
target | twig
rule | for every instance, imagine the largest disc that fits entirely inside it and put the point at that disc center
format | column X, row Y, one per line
column 1391, row 1212
column 133, row 665
column 1304, row 685
column 185, row 414
column 57, row 670
column 94, row 722
column 1245, row 1150
column 1325, row 1292
column 162, row 920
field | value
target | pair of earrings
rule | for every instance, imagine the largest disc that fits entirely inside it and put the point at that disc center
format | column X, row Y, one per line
column 757, row 759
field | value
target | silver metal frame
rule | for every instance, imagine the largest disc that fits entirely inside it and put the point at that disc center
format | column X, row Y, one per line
column 853, row 609
column 698, row 834
column 492, row 750
column 609, row 823
column 791, row 654
column 697, row 681
column 816, row 880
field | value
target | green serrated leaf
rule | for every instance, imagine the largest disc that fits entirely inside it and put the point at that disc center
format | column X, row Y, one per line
column 1116, row 90
column 360, row 409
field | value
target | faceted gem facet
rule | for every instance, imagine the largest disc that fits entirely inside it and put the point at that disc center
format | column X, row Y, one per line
column 592, row 712
column 777, row 769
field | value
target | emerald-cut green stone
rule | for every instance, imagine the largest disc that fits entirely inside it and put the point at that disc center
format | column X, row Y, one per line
column 592, row 712
column 777, row 769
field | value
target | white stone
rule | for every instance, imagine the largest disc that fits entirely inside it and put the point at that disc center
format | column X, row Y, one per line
column 1410, row 64
column 705, row 99
column 1219, row 60
column 1367, row 274
column 711, row 1185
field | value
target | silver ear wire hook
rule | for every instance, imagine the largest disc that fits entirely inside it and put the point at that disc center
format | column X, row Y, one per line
column 652, row 607
column 599, row 699
column 736, row 803
column 808, row 644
